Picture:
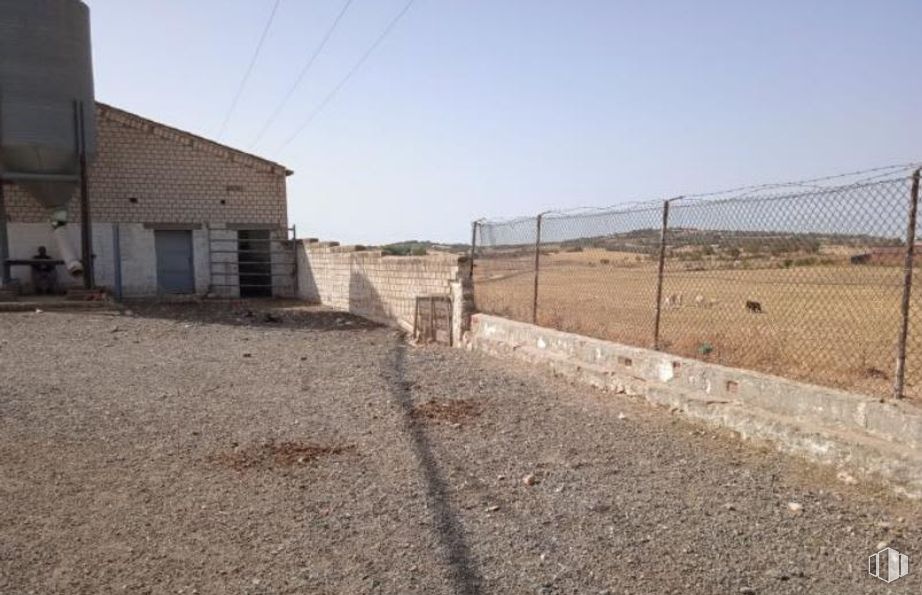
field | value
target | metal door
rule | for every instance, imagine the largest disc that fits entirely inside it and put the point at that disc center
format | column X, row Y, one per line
column 174, row 261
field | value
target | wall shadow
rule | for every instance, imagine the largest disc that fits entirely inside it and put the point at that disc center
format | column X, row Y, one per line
column 270, row 314
column 456, row 553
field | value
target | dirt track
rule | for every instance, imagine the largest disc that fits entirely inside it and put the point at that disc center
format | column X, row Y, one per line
column 199, row 449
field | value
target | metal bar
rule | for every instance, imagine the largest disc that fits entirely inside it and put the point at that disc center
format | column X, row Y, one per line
column 473, row 248
column 117, row 259
column 416, row 320
column 273, row 252
column 252, row 241
column 433, row 334
column 534, row 303
column 245, row 274
column 240, row 285
column 659, row 276
column 29, row 177
column 5, row 276
column 86, row 231
column 899, row 379
column 451, row 322
column 294, row 269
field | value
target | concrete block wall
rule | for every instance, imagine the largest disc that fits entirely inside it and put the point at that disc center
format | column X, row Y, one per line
column 381, row 288
column 146, row 172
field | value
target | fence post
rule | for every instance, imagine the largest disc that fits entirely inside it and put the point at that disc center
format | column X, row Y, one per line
column 534, row 304
column 660, row 272
column 4, row 240
column 473, row 248
column 899, row 379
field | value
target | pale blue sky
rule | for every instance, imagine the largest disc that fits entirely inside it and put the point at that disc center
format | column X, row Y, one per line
column 500, row 107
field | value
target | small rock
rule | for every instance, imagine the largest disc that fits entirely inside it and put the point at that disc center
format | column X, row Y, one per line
column 247, row 354
column 622, row 415
column 846, row 478
column 747, row 591
column 530, row 479
column 881, row 545
column 493, row 508
column 795, row 507
column 38, row 310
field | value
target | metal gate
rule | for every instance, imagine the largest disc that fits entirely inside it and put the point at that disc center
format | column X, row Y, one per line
column 253, row 262
column 432, row 322
column 175, row 273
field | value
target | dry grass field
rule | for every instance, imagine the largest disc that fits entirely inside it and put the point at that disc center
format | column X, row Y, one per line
column 829, row 322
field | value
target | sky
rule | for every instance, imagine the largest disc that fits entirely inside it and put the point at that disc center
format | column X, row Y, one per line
column 498, row 108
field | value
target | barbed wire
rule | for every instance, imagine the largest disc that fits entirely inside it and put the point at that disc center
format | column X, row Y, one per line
column 883, row 174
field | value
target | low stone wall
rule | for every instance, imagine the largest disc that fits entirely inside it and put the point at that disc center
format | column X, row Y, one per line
column 382, row 288
column 853, row 432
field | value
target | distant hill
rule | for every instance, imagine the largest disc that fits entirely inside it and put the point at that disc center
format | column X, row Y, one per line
column 421, row 248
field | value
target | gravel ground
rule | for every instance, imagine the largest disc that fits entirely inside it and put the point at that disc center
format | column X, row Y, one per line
column 212, row 449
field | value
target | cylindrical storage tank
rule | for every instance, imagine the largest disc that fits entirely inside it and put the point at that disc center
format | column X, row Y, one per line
column 46, row 67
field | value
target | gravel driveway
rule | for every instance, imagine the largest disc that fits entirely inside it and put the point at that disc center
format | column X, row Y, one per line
column 219, row 449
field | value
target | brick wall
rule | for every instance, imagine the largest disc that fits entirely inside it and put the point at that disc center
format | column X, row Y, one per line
column 146, row 172
column 382, row 288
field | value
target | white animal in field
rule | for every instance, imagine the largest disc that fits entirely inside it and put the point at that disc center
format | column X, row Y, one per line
column 673, row 301
column 705, row 302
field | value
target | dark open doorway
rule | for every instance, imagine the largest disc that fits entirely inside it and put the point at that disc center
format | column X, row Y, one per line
column 255, row 263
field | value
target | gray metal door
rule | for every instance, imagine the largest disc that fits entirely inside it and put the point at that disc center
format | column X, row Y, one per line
column 174, row 261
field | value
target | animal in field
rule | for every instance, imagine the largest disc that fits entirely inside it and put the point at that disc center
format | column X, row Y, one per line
column 673, row 301
column 705, row 302
column 754, row 307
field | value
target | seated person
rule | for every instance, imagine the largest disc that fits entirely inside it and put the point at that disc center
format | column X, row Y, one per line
column 44, row 276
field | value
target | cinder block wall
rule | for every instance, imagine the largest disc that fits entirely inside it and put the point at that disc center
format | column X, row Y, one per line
column 145, row 172
column 381, row 288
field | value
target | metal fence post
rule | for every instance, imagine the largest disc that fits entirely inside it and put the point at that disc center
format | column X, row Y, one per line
column 534, row 304
column 660, row 272
column 899, row 379
column 4, row 240
column 473, row 248
column 86, row 224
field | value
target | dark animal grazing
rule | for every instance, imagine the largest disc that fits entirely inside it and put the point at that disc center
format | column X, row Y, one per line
column 754, row 307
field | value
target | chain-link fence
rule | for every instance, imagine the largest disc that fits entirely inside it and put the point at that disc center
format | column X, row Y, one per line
column 811, row 285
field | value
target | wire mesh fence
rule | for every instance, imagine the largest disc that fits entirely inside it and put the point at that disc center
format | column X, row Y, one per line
column 807, row 284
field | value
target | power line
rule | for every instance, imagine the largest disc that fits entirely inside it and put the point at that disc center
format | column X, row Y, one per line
column 249, row 70
column 349, row 75
column 304, row 70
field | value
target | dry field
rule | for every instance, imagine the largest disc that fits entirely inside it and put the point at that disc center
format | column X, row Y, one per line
column 833, row 324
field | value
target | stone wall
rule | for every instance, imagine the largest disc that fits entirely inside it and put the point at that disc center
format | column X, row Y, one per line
column 854, row 432
column 382, row 288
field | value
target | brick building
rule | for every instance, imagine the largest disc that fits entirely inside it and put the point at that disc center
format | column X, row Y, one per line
column 171, row 213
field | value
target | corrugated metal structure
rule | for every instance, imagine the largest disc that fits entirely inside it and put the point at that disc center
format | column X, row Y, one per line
column 47, row 107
